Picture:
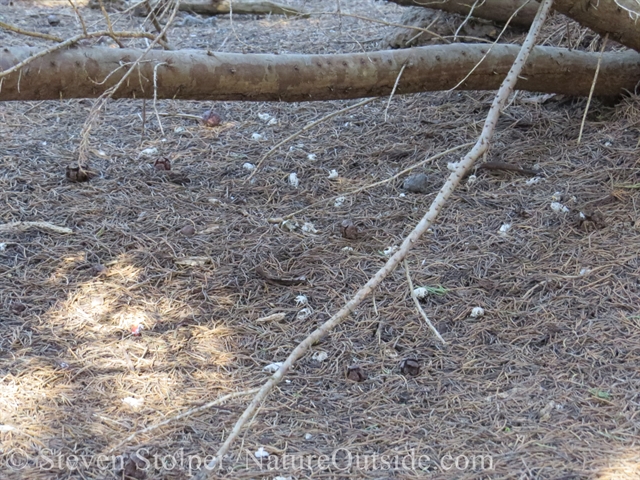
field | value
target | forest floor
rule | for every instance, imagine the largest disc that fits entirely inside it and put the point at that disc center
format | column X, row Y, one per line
column 544, row 385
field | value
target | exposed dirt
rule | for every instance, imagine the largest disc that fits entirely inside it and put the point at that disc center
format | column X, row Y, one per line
column 544, row 385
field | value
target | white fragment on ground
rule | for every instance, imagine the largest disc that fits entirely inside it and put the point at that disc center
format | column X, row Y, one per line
column 248, row 166
column 558, row 207
column 134, row 403
column 261, row 453
column 293, row 180
column 308, row 436
column 273, row 121
column 148, row 152
column 339, row 202
column 101, row 153
column 311, row 157
column 402, row 195
column 272, row 367
column 215, row 201
column 320, row 356
column 420, row 292
column 585, row 270
column 607, row 144
column 390, row 250
column 290, row 225
column 556, row 197
column 302, row 300
column 265, row 117
column 471, row 180
column 533, row 181
column 309, row 227
column 304, row 314
column 347, row 249
column 279, row 477
column 504, row 229
column 333, row 174
column 179, row 129
column 9, row 428
column 257, row 136
column 3, row 247
column 477, row 312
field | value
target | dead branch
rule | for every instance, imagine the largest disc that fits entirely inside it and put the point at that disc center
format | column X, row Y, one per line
column 458, row 171
column 200, row 75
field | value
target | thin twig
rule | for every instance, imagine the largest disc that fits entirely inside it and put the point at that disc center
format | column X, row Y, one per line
column 393, row 91
column 13, row 28
column 109, row 26
column 593, row 86
column 418, row 306
column 188, row 413
column 75, row 9
column 304, row 129
column 458, row 171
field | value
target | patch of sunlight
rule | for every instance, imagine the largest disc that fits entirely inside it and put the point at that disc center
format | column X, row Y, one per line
column 622, row 467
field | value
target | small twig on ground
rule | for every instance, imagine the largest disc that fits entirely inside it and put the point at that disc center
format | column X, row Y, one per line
column 593, row 86
column 458, row 171
column 304, row 129
column 418, row 306
column 75, row 9
column 45, row 36
column 109, row 26
column 188, row 413
column 15, row 227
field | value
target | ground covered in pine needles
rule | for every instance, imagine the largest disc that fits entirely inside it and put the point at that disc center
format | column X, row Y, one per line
column 174, row 289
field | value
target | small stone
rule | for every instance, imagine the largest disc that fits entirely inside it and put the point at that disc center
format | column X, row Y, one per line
column 211, row 119
column 18, row 307
column 162, row 164
column 188, row 231
column 418, row 183
column 53, row 20
column 349, row 230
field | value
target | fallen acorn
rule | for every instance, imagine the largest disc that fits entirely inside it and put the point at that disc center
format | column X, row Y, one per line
column 77, row 174
column 410, row 366
column 349, row 230
column 162, row 164
column 211, row 119
column 188, row 231
column 356, row 374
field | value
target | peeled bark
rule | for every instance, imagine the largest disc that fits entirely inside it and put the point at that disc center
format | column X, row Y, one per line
column 198, row 75
column 497, row 10
column 602, row 16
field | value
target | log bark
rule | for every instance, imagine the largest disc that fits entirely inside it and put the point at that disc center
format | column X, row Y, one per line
column 199, row 75
column 497, row 10
column 221, row 7
column 602, row 16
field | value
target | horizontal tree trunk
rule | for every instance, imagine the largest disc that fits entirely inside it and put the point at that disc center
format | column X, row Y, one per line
column 602, row 16
column 221, row 7
column 497, row 10
column 198, row 75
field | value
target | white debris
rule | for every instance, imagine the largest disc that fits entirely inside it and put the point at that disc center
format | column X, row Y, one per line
column 477, row 312
column 302, row 300
column 333, row 174
column 556, row 197
column 402, row 195
column 179, row 129
column 148, row 152
column 420, row 292
column 471, row 180
column 293, row 180
column 290, row 225
column 261, row 453
column 585, row 270
column 339, row 202
column 134, row 403
column 533, row 181
column 101, row 153
column 308, row 436
column 279, row 477
column 320, row 356
column 582, row 216
column 257, row 136
column 558, row 207
column 607, row 144
column 248, row 166
column 504, row 229
column 347, row 249
column 311, row 157
column 390, row 250
column 215, row 201
column 265, row 117
column 9, row 428
column 309, row 228
column 3, row 247
column 304, row 313
column 453, row 166
column 272, row 367
column 273, row 121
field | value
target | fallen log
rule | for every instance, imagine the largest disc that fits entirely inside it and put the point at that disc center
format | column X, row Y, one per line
column 206, row 75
